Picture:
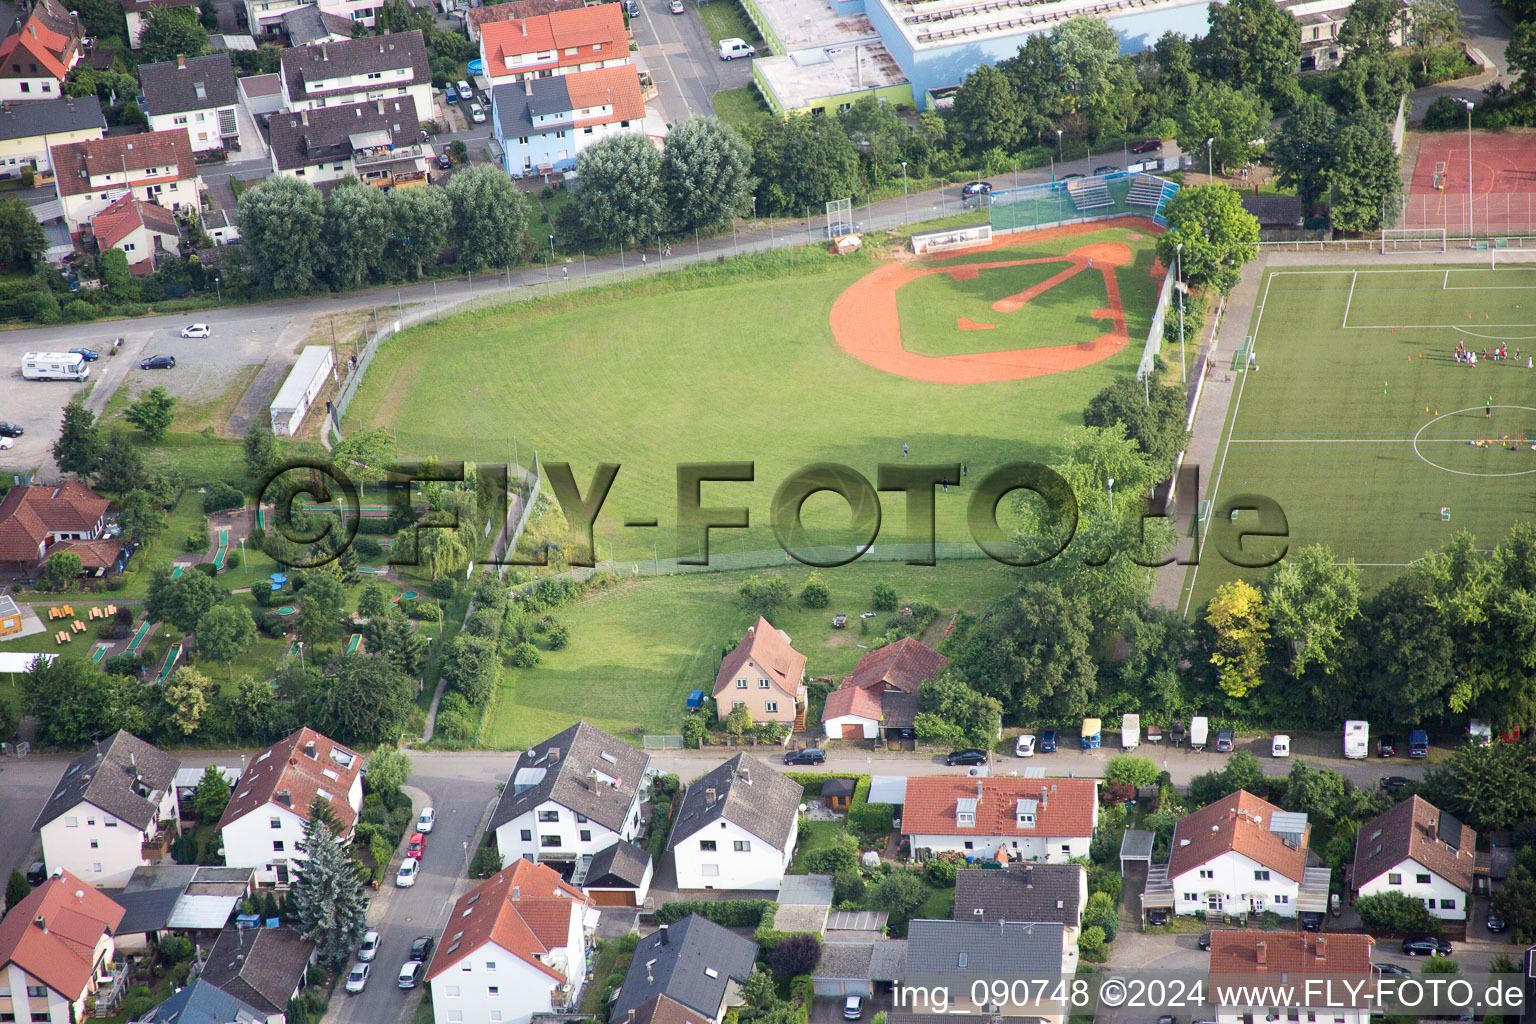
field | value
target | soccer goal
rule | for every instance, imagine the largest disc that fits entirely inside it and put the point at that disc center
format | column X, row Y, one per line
column 1498, row 257
column 1395, row 240
column 1440, row 175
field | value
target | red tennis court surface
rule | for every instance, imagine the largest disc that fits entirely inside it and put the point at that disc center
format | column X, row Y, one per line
column 1503, row 178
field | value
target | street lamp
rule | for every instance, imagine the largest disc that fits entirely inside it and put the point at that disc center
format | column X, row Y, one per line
column 906, row 212
column 1468, row 104
column 219, row 292
column 1111, row 495
column 1178, row 283
column 1059, row 157
column 1209, row 166
column 551, row 246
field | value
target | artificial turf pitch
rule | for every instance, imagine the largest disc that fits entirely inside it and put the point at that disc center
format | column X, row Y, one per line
column 1355, row 416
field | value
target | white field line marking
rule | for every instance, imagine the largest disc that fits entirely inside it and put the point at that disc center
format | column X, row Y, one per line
column 1350, row 299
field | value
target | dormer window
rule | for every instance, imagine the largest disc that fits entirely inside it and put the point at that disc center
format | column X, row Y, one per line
column 1025, row 812
column 965, row 812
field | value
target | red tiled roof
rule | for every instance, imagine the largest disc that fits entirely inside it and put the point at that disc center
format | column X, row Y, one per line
column 170, row 151
column 126, row 215
column 765, row 646
column 1296, row 955
column 561, row 30
column 28, row 515
column 50, row 34
column 1239, row 822
column 1065, row 807
column 1409, row 831
column 479, row 17
column 663, row 1009
column 525, row 909
column 94, row 554
column 58, row 952
column 904, row 665
column 851, row 700
column 286, row 767
column 618, row 87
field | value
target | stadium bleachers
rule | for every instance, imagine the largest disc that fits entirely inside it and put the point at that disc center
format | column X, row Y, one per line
column 1089, row 194
column 1145, row 191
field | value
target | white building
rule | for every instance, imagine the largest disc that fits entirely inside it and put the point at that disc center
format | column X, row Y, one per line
column 1420, row 851
column 359, row 71
column 571, row 797
column 1335, row 968
column 158, row 167
column 1239, row 855
column 735, row 827
column 378, row 143
column 514, row 946
column 28, row 130
column 1049, row 820
column 557, row 43
column 39, row 44
column 263, row 826
column 303, row 383
column 114, row 810
column 56, row 951
column 197, row 94
column 543, row 124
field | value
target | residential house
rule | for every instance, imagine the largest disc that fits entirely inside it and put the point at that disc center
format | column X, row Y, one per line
column 1337, row 964
column 203, row 1003
column 263, row 968
column 269, row 18
column 145, row 232
column 570, row 797
column 114, row 810
column 1239, row 855
column 28, row 130
column 558, row 43
column 197, row 94
column 1024, row 892
column 735, row 827
column 619, row 876
column 1001, row 818
column 694, row 963
column 359, row 71
column 37, row 520
column 955, row 954
column 764, row 673
column 1420, row 851
column 880, row 696
column 39, row 43
column 263, row 826
column 158, row 167
column 514, row 946
column 1319, row 22
column 543, row 124
column 186, row 898
column 56, row 953
column 477, row 17
column 309, row 24
column 859, row 968
column 376, row 142
column 137, row 11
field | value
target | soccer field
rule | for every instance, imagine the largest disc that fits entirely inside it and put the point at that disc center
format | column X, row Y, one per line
column 1356, row 416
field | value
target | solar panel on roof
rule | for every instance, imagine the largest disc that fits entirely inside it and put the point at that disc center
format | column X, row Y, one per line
column 1449, row 830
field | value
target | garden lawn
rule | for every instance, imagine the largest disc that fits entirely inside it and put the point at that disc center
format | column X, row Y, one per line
column 638, row 648
column 737, row 105
column 725, row 19
column 732, row 362
column 818, row 835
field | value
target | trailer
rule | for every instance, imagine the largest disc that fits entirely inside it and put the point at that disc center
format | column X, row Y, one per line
column 1091, row 729
column 1130, row 731
column 54, row 366
column 1357, row 737
column 1198, row 727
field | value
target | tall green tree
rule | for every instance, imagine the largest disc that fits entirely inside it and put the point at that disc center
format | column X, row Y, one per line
column 171, row 32
column 1311, row 602
column 153, row 413
column 74, row 704
column 490, row 217
column 1218, row 236
column 366, row 452
column 141, row 519
column 1152, row 417
column 61, row 568
column 619, row 190
column 187, row 695
column 211, row 795
column 1520, row 52
column 260, row 443
column 986, row 113
column 17, row 889
column 182, row 601
column 419, row 223
column 1370, row 26
column 1239, row 621
column 1034, row 73
column 78, row 448
column 1431, row 24
column 1257, row 43
column 366, row 702
column 256, row 712
column 955, row 715
column 388, row 769
column 121, row 468
column 1304, row 150
column 1369, row 82
column 1234, row 119
column 1365, row 178
column 357, row 221
column 327, row 898
column 802, row 162
column 1489, row 788
column 282, row 229
column 1410, row 648
column 225, row 633
column 22, row 242
column 1034, row 654
column 706, row 174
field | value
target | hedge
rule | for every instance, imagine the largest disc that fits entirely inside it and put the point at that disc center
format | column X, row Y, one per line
column 873, row 818
column 730, row 913
column 811, row 784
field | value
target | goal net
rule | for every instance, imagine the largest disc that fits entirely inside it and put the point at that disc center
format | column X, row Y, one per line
column 1395, row 240
column 1512, row 258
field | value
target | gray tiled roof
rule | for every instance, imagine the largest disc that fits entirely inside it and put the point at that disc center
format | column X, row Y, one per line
column 971, row 949
column 146, row 910
column 691, row 961
column 261, row 967
column 308, row 24
column 568, row 761
column 1030, row 892
column 747, row 793
column 202, row 1003
column 620, row 864
column 172, row 87
column 355, row 58
column 111, row 776
column 515, row 109
column 52, row 116
column 303, row 138
column 845, row 961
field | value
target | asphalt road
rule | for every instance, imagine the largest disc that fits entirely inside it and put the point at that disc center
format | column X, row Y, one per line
column 682, row 60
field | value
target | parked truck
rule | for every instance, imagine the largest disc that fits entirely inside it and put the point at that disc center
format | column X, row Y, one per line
column 1198, row 727
column 1357, row 737
column 54, row 366
column 1091, row 729
column 1130, row 731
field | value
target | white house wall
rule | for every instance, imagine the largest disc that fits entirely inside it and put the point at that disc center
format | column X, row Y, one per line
column 870, row 728
column 99, row 847
column 1049, row 849
column 1233, row 877
column 511, row 843
column 249, row 842
column 759, row 866
column 1433, row 893
column 201, row 125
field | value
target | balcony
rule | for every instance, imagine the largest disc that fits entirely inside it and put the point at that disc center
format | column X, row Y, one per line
column 377, row 155
column 110, row 989
column 158, row 846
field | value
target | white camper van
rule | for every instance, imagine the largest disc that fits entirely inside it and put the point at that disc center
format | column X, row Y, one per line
column 1199, row 727
column 1280, row 746
column 1357, row 737
column 1130, row 731
column 54, row 366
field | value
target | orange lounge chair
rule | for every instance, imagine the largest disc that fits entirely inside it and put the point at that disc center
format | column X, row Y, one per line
column 111, row 610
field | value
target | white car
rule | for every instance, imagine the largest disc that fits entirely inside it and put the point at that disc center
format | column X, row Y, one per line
column 370, row 947
column 734, row 47
column 7, row 443
column 1024, row 746
column 426, row 820
column 358, row 977
column 1280, row 746
column 406, row 876
column 197, row 331
column 477, row 113
column 465, row 92
column 410, row 974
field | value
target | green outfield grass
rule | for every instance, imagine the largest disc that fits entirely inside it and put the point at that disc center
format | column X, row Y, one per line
column 1362, row 425
column 725, row 363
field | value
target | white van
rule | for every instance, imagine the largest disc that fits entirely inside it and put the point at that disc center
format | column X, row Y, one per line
column 732, row 48
column 54, row 366
column 1280, row 746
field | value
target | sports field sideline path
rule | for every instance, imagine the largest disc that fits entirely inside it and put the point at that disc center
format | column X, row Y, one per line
column 1174, row 583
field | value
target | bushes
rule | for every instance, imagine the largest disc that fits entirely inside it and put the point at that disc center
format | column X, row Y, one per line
column 872, row 819
column 796, row 954
column 197, row 540
column 941, row 871
column 442, row 589
column 840, row 855
column 220, row 497
column 815, row 594
column 525, row 655
column 730, row 913
column 366, row 547
column 558, row 635
column 883, row 598
column 847, row 886
column 1393, row 912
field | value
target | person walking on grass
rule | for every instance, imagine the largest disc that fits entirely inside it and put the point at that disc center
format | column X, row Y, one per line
column 1488, row 407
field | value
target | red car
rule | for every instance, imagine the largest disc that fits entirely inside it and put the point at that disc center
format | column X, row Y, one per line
column 416, row 845
column 1148, row 146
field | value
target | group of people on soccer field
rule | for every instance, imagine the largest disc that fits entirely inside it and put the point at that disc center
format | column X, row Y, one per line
column 1490, row 353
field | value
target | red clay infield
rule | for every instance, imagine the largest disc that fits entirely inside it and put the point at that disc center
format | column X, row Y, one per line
column 867, row 326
